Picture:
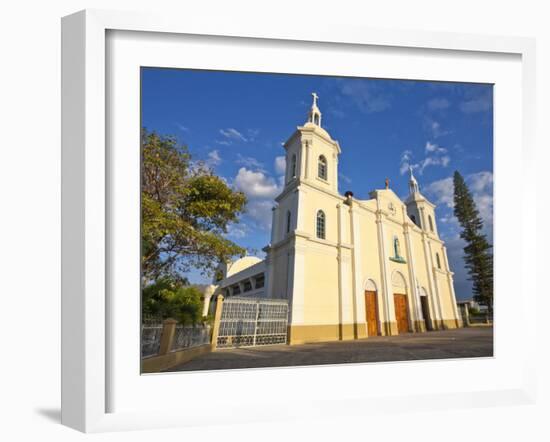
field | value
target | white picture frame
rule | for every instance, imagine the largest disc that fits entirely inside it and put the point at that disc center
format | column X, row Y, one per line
column 86, row 204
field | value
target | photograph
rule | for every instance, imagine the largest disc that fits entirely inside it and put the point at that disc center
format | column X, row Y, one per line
column 301, row 220
column 239, row 221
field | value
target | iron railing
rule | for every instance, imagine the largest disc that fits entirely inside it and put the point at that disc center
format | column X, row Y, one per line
column 187, row 336
column 248, row 322
column 150, row 339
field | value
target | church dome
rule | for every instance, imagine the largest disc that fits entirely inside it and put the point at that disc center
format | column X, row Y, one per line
column 241, row 264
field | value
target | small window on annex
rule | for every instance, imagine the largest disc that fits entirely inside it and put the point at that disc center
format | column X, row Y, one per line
column 320, row 224
column 260, row 281
column 322, row 169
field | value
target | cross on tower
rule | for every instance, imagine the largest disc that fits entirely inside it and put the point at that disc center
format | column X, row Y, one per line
column 315, row 98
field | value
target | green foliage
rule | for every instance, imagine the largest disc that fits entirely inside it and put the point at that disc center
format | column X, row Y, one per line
column 185, row 211
column 209, row 319
column 473, row 311
column 478, row 256
column 170, row 298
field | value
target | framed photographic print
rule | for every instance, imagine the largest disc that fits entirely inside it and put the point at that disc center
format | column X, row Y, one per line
column 271, row 210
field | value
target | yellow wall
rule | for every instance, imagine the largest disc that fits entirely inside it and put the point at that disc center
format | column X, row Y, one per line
column 313, row 201
column 280, row 276
column 321, row 295
column 370, row 252
column 419, row 260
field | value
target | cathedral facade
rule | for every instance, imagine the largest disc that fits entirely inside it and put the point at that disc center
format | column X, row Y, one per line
column 349, row 268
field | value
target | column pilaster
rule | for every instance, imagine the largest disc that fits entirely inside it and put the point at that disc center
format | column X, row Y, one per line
column 358, row 293
column 388, row 322
column 417, row 321
column 435, row 318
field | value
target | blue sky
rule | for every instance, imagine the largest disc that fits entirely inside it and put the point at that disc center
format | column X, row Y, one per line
column 236, row 122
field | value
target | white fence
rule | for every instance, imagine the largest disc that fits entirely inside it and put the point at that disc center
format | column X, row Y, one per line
column 150, row 339
column 247, row 322
column 187, row 336
column 178, row 338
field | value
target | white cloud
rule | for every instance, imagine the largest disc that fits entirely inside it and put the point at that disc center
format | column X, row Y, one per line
column 438, row 104
column 252, row 134
column 433, row 161
column 436, row 157
column 365, row 95
column 346, row 179
column 232, row 134
column 480, row 181
column 256, row 185
column 484, row 205
column 481, row 103
column 435, row 148
column 280, row 164
column 214, row 158
column 336, row 112
column 237, row 231
column 182, row 127
column 249, row 162
column 435, row 128
column 442, row 191
column 261, row 212
column 406, row 158
column 404, row 168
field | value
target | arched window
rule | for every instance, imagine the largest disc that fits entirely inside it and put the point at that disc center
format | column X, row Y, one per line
column 431, row 223
column 288, row 219
column 293, row 167
column 321, row 224
column 437, row 260
column 413, row 218
column 322, row 169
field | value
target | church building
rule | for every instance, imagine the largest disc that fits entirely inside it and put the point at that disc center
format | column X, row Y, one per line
column 349, row 268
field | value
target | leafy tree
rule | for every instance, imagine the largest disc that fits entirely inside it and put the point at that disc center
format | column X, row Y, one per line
column 478, row 256
column 170, row 298
column 185, row 211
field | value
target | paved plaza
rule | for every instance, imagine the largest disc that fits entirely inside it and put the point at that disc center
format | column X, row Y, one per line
column 459, row 343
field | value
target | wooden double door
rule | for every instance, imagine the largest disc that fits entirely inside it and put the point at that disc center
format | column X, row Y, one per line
column 401, row 312
column 371, row 306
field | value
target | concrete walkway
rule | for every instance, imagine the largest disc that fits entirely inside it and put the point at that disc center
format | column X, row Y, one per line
column 459, row 343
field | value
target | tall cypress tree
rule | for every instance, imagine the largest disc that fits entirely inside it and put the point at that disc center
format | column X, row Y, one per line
column 478, row 255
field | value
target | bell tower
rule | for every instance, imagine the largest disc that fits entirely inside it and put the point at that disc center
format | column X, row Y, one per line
column 420, row 210
column 311, row 162
column 312, row 154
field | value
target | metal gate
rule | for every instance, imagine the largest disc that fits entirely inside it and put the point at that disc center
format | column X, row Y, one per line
column 246, row 322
